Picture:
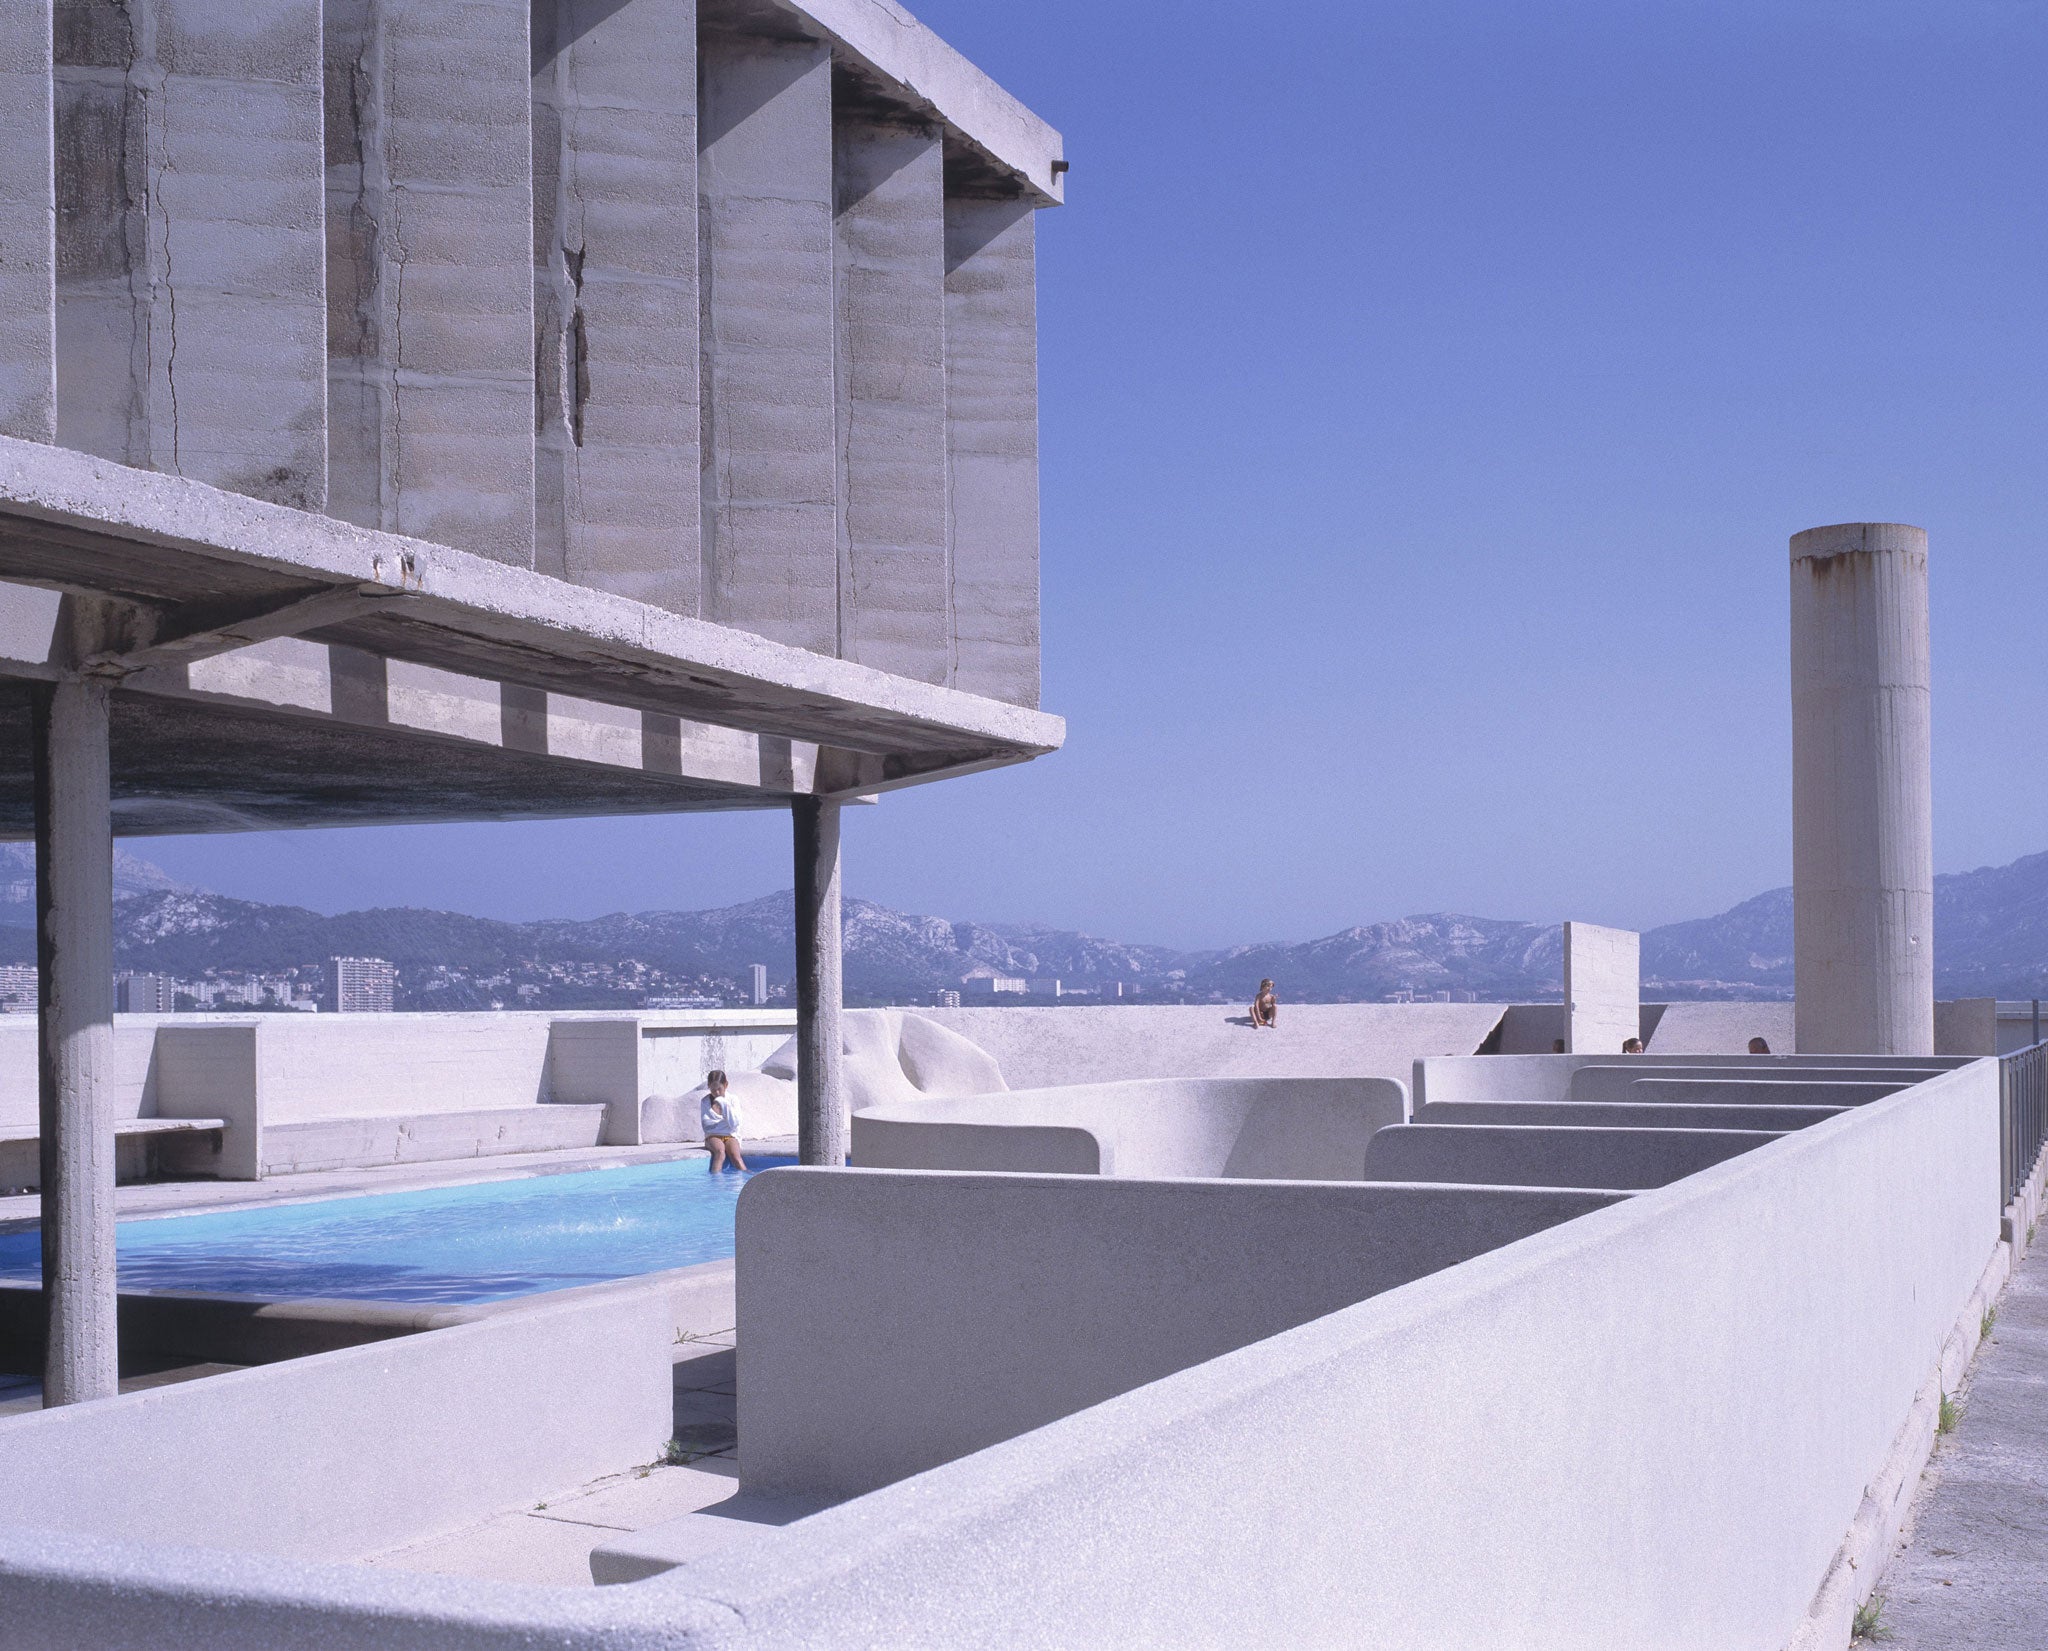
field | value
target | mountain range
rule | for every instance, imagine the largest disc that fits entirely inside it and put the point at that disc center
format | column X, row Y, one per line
column 1991, row 938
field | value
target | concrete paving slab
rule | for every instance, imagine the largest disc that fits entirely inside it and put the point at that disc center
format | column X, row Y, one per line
column 1973, row 1575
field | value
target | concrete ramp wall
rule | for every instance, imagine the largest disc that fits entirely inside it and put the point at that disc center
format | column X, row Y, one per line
column 1523, row 1156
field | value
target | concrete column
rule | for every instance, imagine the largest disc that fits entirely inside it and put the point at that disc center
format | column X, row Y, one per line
column 430, row 376
column 894, row 588
column 28, row 216
column 75, row 958
column 770, row 487
column 992, row 442
column 1862, row 815
column 615, row 296
column 191, row 299
column 821, row 1120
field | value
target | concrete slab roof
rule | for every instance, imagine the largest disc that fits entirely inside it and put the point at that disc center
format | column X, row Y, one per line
column 738, row 721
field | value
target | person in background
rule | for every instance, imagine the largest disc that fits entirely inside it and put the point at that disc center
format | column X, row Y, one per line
column 1757, row 1046
column 1632, row 1046
column 721, row 1124
column 1557, row 1046
column 1266, row 1008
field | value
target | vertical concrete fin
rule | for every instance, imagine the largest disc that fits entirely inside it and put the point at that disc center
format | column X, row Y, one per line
column 616, row 467
column 764, row 179
column 28, row 218
column 992, row 445
column 430, row 213
column 190, row 246
column 894, row 589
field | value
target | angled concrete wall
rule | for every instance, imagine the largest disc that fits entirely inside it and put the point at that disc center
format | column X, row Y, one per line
column 1533, row 1156
column 921, row 1285
column 28, row 217
column 191, row 297
column 615, row 296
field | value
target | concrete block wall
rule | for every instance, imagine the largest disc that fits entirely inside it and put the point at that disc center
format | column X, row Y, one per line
column 28, row 216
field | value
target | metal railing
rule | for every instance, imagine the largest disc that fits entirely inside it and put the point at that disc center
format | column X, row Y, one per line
column 2022, row 1114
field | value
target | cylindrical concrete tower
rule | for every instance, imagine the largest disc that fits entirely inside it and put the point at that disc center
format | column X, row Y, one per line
column 1862, row 791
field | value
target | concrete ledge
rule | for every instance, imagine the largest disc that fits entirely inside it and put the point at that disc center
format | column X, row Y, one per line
column 346, row 1143
column 1832, row 1088
column 1517, row 1156
column 1623, row 1115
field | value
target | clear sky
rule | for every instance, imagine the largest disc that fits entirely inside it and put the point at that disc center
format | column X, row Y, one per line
column 1429, row 388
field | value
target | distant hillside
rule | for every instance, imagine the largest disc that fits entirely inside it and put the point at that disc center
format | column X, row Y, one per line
column 1991, row 937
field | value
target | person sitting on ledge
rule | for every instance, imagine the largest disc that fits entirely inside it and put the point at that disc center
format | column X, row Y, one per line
column 1757, row 1046
column 1266, row 1008
column 721, row 1124
column 1632, row 1046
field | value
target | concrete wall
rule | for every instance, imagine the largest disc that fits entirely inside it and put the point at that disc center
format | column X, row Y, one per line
column 1524, row 1156
column 28, row 211
column 1719, row 1028
column 923, row 1284
column 366, row 1448
column 1037, row 1048
column 1261, row 1128
column 1550, row 1077
column 1966, row 1026
column 1602, row 988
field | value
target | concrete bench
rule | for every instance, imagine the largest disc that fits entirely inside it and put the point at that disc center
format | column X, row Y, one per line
column 1623, row 1115
column 1500, row 1155
column 402, row 1138
column 142, row 1147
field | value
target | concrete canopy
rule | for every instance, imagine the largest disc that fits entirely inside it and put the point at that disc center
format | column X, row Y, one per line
column 575, row 701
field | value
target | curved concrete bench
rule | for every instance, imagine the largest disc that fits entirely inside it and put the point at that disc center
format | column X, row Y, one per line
column 1500, row 1155
column 1283, row 1129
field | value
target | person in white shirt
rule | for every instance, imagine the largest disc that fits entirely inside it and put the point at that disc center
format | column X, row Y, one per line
column 721, row 1124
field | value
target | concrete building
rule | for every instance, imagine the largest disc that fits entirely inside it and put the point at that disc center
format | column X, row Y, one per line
column 136, row 994
column 757, row 984
column 359, row 986
column 418, row 412
column 17, row 988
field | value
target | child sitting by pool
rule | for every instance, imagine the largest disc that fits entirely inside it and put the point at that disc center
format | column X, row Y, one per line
column 721, row 1124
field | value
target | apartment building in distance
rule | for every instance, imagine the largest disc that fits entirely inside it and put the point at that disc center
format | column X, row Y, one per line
column 359, row 985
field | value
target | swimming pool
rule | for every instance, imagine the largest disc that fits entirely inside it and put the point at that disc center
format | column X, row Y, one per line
column 487, row 1241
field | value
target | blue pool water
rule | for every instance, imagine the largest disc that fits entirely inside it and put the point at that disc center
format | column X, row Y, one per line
column 483, row 1242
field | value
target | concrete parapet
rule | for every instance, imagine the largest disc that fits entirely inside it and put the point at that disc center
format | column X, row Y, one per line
column 1313, row 1129
column 1624, row 1114
column 1826, row 1086
column 1522, row 1156
column 921, row 1284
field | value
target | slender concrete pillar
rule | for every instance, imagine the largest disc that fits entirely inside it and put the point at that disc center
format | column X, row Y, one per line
column 1862, row 813
column 75, row 957
column 28, row 216
column 615, row 296
column 821, row 1121
column 992, row 441
column 895, row 595
column 770, row 487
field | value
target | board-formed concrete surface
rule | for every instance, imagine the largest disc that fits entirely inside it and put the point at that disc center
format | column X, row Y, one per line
column 1971, row 1577
column 1602, row 988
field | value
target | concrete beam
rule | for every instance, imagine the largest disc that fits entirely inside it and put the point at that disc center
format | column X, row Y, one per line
column 191, row 304
column 615, row 296
column 822, row 1122
column 992, row 445
column 1862, row 791
column 28, row 218
column 895, row 597
column 771, row 554
column 429, row 222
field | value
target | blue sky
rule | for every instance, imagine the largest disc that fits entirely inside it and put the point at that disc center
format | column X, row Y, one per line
column 1429, row 388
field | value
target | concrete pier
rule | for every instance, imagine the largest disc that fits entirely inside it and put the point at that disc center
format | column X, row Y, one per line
column 75, row 984
column 1862, row 814
column 822, row 1122
column 28, row 213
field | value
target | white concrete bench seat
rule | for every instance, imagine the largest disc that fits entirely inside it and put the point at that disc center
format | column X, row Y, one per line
column 411, row 1138
column 1507, row 1155
column 16, row 1135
